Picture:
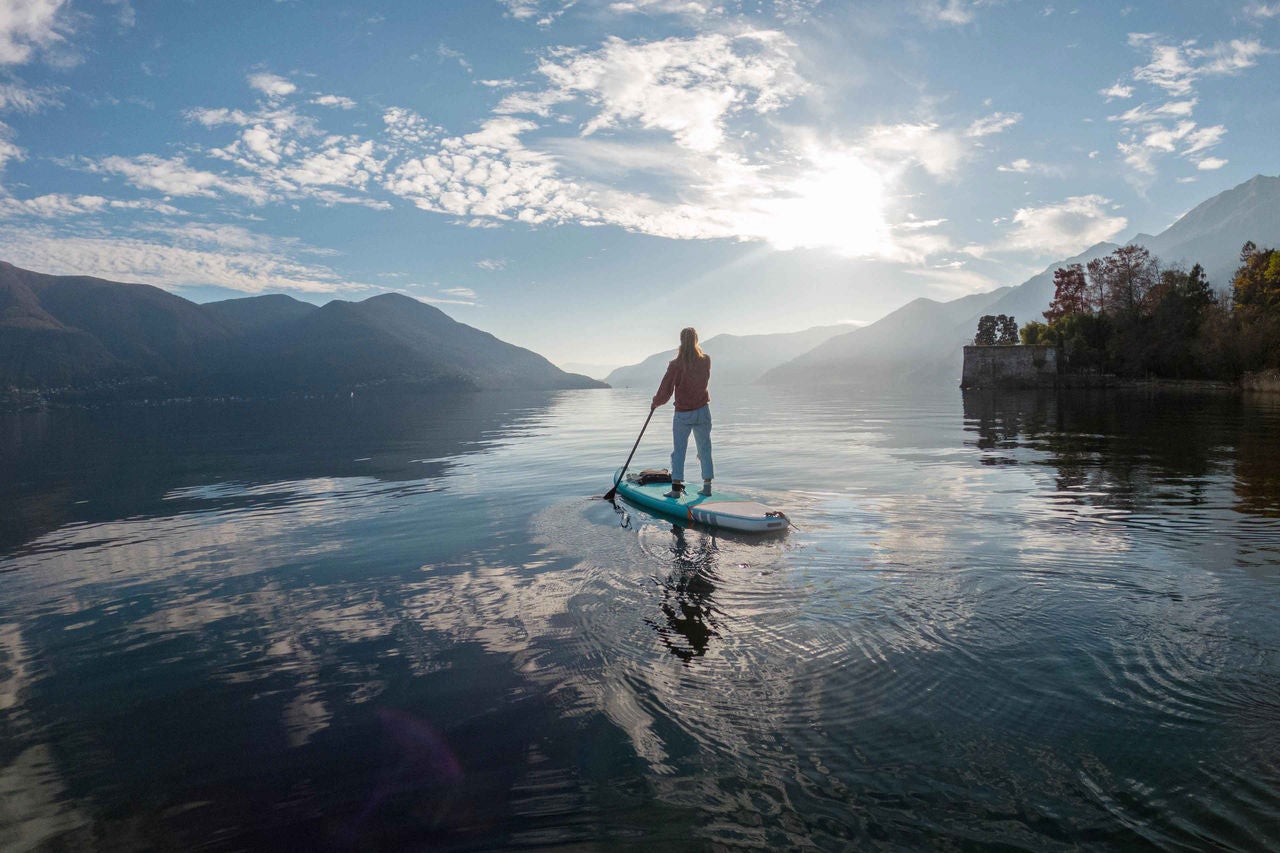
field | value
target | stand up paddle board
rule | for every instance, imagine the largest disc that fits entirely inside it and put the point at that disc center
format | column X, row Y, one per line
column 719, row 510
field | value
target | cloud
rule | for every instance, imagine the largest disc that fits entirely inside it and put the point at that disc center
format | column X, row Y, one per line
column 1021, row 165
column 21, row 98
column 182, row 257
column 938, row 151
column 30, row 26
column 8, row 148
column 172, row 176
column 1209, row 163
column 172, row 261
column 59, row 205
column 271, row 85
column 948, row 12
column 1151, row 132
column 459, row 292
column 443, row 52
column 1064, row 228
column 1175, row 67
column 994, row 123
column 334, row 101
column 492, row 264
column 685, row 87
column 1263, row 10
column 1116, row 91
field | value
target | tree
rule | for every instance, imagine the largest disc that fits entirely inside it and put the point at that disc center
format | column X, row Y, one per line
column 1256, row 284
column 1008, row 329
column 1124, row 278
column 1070, row 293
column 1036, row 333
column 986, row 336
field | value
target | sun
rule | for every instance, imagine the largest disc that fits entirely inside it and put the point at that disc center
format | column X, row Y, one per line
column 837, row 203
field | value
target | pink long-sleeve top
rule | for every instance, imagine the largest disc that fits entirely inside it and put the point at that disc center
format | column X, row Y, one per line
column 688, row 382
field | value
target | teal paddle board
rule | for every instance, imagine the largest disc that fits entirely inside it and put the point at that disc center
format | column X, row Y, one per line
column 721, row 509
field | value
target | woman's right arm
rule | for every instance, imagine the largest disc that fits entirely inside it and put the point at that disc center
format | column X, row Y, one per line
column 667, row 388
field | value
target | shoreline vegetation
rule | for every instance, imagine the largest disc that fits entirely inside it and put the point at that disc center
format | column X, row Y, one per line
column 1126, row 320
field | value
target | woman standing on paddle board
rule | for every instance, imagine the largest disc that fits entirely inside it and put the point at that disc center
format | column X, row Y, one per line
column 687, row 377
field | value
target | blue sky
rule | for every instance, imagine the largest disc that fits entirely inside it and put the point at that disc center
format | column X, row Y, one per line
column 585, row 177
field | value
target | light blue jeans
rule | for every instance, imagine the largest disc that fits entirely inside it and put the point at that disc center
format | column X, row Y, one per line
column 699, row 423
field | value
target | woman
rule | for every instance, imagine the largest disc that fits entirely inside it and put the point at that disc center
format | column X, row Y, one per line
column 687, row 377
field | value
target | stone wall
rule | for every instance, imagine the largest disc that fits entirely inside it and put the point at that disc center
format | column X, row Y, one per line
column 1009, row 367
column 1266, row 381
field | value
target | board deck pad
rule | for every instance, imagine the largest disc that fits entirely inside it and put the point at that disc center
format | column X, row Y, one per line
column 721, row 509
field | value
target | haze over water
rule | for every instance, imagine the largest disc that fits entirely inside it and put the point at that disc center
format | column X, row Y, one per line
column 382, row 623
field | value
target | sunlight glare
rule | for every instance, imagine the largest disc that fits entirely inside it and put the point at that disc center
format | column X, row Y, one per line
column 838, row 204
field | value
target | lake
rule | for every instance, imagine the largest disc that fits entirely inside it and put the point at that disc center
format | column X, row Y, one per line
column 1010, row 619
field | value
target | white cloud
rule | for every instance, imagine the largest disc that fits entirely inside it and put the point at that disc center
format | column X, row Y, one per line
column 1064, row 228
column 1209, row 163
column 1151, row 132
column 1118, row 90
column 994, row 123
column 443, row 52
column 8, row 148
column 683, row 8
column 338, row 101
column 521, row 10
column 938, row 151
column 217, row 117
column 405, row 128
column 182, row 258
column 27, row 99
column 1022, row 164
column 30, row 26
column 1175, row 67
column 685, row 87
column 459, row 292
column 1263, row 10
column 58, row 205
column 492, row 264
column 948, row 12
column 271, row 85
column 345, row 163
column 172, row 176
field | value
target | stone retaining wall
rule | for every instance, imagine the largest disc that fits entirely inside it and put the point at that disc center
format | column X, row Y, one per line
column 1009, row 367
column 1265, row 381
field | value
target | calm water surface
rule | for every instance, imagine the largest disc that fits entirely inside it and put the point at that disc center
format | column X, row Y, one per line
column 371, row 624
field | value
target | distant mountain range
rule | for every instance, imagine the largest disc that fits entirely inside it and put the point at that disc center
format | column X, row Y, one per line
column 736, row 359
column 79, row 332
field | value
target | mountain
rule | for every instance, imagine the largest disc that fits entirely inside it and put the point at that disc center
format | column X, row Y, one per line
column 256, row 314
column 923, row 341
column 78, row 332
column 735, row 359
column 1212, row 232
column 911, row 335
column 391, row 338
column 67, row 330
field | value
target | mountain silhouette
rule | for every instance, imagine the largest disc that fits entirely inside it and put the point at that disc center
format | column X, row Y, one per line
column 736, row 359
column 78, row 332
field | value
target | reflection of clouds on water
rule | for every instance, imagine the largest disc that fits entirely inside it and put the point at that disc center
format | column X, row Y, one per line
column 33, row 802
column 14, row 666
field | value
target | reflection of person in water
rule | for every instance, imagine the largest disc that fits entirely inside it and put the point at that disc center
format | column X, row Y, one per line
column 686, row 593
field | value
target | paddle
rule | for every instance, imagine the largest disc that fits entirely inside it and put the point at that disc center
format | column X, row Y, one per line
column 609, row 495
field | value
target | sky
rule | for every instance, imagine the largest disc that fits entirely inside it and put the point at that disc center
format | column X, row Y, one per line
column 587, row 177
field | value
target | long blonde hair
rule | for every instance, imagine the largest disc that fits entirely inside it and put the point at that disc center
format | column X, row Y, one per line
column 689, row 349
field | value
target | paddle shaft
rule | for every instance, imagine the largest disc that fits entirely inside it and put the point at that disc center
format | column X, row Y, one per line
column 627, row 464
